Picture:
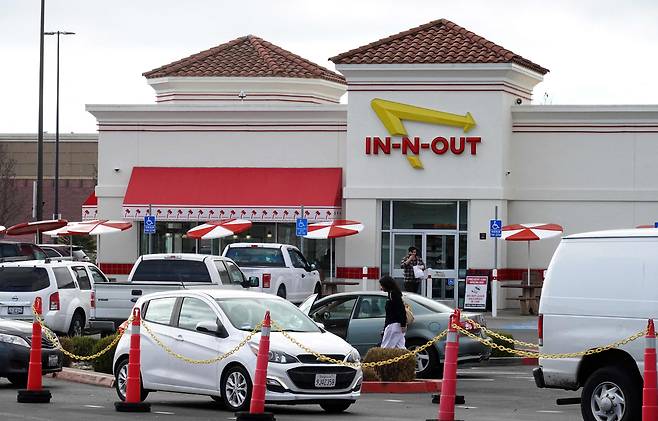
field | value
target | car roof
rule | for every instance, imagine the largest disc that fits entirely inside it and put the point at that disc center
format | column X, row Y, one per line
column 619, row 233
column 214, row 293
column 259, row 245
column 180, row 256
column 46, row 263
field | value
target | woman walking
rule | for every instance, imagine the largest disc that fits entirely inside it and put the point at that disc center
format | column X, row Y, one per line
column 395, row 325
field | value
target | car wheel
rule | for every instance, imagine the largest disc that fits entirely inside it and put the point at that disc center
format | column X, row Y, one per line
column 19, row 380
column 77, row 324
column 121, row 381
column 281, row 292
column 236, row 388
column 610, row 394
column 335, row 407
column 427, row 361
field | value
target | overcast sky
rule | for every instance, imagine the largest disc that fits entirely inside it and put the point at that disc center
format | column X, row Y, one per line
column 599, row 52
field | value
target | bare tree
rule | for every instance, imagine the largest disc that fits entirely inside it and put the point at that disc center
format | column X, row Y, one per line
column 9, row 205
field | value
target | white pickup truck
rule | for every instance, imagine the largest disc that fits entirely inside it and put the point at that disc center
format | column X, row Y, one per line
column 281, row 269
column 162, row 272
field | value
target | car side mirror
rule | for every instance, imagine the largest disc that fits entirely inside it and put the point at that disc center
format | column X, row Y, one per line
column 212, row 328
column 310, row 267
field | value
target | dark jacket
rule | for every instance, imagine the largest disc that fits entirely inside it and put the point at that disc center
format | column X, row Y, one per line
column 395, row 311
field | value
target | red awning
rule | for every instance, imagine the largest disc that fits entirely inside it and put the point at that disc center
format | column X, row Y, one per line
column 261, row 194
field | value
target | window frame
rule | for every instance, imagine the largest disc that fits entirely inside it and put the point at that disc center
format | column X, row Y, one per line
column 172, row 317
column 67, row 270
column 74, row 269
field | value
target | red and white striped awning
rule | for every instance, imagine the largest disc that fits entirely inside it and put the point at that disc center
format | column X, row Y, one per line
column 219, row 229
column 333, row 229
column 530, row 232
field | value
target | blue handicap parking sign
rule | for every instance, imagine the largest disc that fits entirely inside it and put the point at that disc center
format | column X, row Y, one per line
column 149, row 224
column 301, row 225
column 495, row 228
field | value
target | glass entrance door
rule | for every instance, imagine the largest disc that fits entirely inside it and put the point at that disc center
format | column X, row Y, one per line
column 438, row 251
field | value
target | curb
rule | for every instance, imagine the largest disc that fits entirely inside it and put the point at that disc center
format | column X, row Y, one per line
column 417, row 386
column 84, row 376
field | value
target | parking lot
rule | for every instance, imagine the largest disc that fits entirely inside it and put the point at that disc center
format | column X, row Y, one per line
column 492, row 393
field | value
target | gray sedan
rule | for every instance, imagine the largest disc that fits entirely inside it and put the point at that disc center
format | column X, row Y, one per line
column 358, row 317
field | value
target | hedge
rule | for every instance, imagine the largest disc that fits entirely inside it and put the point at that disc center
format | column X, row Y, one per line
column 498, row 353
column 103, row 364
column 402, row 371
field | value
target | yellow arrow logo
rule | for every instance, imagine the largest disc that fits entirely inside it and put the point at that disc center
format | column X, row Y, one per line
column 392, row 113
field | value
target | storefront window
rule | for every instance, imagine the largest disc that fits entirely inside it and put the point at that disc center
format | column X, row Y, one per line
column 386, row 253
column 386, row 214
column 425, row 215
column 463, row 215
column 462, row 256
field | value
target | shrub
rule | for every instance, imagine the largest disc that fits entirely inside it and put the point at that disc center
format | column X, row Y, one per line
column 402, row 371
column 83, row 345
column 103, row 364
column 370, row 375
column 498, row 353
column 67, row 344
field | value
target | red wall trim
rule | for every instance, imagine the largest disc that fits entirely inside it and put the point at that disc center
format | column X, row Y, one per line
column 506, row 274
column 356, row 272
column 116, row 268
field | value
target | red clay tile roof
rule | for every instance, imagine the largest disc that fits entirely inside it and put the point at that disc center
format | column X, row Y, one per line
column 439, row 41
column 247, row 56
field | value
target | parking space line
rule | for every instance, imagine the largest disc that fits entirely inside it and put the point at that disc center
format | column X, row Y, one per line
column 394, row 400
column 486, row 379
column 163, row 412
column 551, row 412
column 93, row 406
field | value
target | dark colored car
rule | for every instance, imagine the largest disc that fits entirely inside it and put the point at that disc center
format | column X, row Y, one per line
column 15, row 342
column 13, row 251
column 358, row 317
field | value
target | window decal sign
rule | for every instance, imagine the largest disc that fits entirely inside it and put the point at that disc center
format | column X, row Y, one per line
column 392, row 114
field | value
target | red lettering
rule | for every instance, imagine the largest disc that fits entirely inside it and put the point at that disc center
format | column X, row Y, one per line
column 453, row 145
column 444, row 145
column 473, row 141
column 368, row 145
column 409, row 145
column 384, row 146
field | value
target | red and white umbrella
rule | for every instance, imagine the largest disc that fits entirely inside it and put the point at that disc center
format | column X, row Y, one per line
column 99, row 227
column 36, row 227
column 530, row 232
column 330, row 230
column 2, row 230
column 219, row 229
column 333, row 229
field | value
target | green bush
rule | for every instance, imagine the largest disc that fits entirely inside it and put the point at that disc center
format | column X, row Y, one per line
column 103, row 364
column 370, row 375
column 83, row 345
column 67, row 344
column 498, row 353
column 402, row 371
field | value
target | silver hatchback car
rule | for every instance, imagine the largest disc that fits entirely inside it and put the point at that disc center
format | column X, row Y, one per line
column 358, row 317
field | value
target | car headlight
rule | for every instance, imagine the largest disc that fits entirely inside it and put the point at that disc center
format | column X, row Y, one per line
column 13, row 339
column 353, row 356
column 274, row 356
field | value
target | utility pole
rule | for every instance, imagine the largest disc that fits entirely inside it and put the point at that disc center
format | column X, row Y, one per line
column 39, row 204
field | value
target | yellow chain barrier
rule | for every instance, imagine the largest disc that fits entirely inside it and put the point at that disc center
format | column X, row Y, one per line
column 206, row 361
column 52, row 337
column 536, row 354
column 324, row 358
column 499, row 336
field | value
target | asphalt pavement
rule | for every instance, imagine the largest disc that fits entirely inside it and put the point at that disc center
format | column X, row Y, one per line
column 491, row 393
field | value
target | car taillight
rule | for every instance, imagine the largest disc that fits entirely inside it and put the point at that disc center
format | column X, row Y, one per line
column 93, row 299
column 54, row 301
column 266, row 280
column 540, row 329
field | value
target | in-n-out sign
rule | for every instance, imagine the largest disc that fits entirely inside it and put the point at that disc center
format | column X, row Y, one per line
column 391, row 115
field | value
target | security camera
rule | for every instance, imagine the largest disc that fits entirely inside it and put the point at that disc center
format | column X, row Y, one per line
column 519, row 101
column 116, row 169
column 508, row 172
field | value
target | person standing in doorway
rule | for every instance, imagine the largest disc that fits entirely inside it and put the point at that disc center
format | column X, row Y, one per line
column 411, row 283
column 395, row 324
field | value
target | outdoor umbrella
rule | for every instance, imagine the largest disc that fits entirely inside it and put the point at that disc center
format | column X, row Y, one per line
column 99, row 227
column 65, row 231
column 2, row 230
column 35, row 227
column 330, row 230
column 218, row 229
column 530, row 232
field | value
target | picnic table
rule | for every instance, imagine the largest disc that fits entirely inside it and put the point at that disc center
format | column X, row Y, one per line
column 529, row 298
column 330, row 286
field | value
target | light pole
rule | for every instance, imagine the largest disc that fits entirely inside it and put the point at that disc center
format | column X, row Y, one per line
column 56, row 212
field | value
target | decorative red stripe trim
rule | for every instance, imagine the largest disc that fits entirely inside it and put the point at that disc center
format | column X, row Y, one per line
column 441, row 90
column 356, row 272
column 100, row 129
column 585, row 131
column 230, row 100
column 116, row 268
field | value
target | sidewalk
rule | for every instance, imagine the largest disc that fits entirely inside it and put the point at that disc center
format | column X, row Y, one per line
column 523, row 328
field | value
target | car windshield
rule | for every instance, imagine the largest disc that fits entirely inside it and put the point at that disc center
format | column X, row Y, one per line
column 256, row 256
column 435, row 306
column 246, row 313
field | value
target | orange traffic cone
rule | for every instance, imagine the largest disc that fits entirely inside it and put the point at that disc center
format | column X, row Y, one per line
column 449, row 383
column 133, row 401
column 649, row 392
column 34, row 392
column 257, row 407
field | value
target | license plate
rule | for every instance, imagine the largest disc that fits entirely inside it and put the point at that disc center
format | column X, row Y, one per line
column 325, row 380
column 53, row 360
column 14, row 310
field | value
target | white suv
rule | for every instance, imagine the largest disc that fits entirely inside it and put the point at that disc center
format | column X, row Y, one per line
column 204, row 324
column 65, row 288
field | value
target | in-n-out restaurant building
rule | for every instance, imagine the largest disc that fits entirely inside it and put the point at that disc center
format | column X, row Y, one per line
column 438, row 131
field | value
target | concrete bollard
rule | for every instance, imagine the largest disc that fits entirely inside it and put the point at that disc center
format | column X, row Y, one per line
column 364, row 278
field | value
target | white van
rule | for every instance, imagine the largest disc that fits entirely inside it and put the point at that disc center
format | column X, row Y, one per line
column 65, row 288
column 600, row 287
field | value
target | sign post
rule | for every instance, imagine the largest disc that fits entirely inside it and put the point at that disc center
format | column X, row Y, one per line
column 149, row 228
column 495, row 232
column 301, row 227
